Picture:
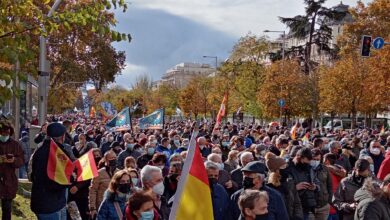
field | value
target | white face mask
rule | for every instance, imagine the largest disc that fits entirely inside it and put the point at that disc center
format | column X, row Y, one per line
column 159, row 188
column 314, row 163
column 201, row 147
column 221, row 166
column 375, row 151
column 169, row 146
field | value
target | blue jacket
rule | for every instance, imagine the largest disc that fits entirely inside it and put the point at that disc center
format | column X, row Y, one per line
column 276, row 207
column 164, row 150
column 220, row 201
column 107, row 209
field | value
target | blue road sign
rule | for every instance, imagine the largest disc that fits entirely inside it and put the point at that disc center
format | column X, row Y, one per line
column 378, row 43
column 281, row 103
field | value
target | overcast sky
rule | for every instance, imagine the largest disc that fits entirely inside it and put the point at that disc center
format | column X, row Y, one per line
column 168, row 32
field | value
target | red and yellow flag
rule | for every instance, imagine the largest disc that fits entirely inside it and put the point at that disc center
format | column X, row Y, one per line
column 86, row 167
column 92, row 112
column 383, row 129
column 293, row 132
column 193, row 196
column 305, row 138
column 59, row 166
column 221, row 112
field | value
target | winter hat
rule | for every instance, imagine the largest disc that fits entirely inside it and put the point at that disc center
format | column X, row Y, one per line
column 274, row 162
column 248, row 142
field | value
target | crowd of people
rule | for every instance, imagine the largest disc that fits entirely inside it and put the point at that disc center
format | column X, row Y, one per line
column 254, row 172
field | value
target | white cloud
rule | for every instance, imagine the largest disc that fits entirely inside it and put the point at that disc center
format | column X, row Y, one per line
column 129, row 75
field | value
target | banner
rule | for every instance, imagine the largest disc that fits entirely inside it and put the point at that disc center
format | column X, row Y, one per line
column 153, row 121
column 108, row 108
column 121, row 121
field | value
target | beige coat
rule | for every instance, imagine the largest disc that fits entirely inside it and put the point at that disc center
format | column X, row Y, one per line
column 97, row 188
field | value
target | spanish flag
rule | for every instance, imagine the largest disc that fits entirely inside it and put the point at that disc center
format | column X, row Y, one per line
column 305, row 138
column 86, row 167
column 59, row 166
column 92, row 113
column 193, row 196
column 294, row 132
column 221, row 111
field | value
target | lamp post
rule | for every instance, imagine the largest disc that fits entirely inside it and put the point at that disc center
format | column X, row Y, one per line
column 44, row 72
column 216, row 60
column 283, row 38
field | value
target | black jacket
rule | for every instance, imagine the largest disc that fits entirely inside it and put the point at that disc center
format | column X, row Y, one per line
column 47, row 196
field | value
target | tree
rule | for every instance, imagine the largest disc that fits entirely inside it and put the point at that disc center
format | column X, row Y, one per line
column 166, row 96
column 193, row 98
column 313, row 25
column 284, row 80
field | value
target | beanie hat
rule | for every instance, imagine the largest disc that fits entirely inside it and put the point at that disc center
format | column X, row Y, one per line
column 55, row 129
column 274, row 162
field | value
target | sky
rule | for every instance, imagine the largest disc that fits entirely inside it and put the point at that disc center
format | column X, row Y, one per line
column 168, row 32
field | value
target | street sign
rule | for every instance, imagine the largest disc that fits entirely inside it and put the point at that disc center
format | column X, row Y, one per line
column 378, row 43
column 281, row 103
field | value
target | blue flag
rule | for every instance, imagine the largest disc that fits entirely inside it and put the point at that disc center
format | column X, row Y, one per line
column 121, row 121
column 108, row 108
column 153, row 121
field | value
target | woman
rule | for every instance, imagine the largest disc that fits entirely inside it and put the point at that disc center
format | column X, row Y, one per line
column 140, row 207
column 130, row 163
column 283, row 183
column 113, row 205
column 100, row 183
column 134, row 178
column 253, row 204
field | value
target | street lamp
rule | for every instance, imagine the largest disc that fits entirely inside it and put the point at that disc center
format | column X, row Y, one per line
column 284, row 39
column 44, row 72
column 216, row 60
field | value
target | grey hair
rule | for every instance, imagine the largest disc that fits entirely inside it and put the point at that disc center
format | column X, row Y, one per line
column 333, row 145
column 211, row 165
column 92, row 144
column 244, row 155
column 201, row 138
column 210, row 156
column 146, row 173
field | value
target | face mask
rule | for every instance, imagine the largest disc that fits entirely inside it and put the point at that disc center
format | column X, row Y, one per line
column 314, row 163
column 124, row 188
column 159, row 188
column 177, row 142
column 201, row 147
column 340, row 151
column 154, row 142
column 247, row 183
column 375, row 151
column 97, row 159
column 372, row 168
column 221, row 166
column 169, row 146
column 112, row 163
column 117, row 151
column 150, row 151
column 135, row 181
column 173, row 177
column 149, row 215
column 130, row 146
column 110, row 139
column 225, row 143
column 212, row 181
column 90, row 136
column 4, row 138
column 303, row 166
column 185, row 146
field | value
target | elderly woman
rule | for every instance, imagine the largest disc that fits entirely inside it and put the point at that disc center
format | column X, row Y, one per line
column 253, row 203
column 141, row 207
column 113, row 205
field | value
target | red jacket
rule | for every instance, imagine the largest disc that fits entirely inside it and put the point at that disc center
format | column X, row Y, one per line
column 129, row 215
column 335, row 184
column 385, row 167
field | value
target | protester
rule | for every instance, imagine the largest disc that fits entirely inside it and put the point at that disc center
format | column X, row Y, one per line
column 172, row 179
column 253, row 204
column 236, row 174
column 384, row 168
column 25, row 142
column 140, row 207
column 11, row 158
column 343, row 198
column 129, row 144
column 48, row 198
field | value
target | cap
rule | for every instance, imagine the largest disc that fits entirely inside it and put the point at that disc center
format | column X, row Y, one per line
column 55, row 129
column 362, row 165
column 274, row 162
column 255, row 167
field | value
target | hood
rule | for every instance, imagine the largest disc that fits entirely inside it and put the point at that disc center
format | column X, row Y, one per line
column 370, row 190
column 362, row 194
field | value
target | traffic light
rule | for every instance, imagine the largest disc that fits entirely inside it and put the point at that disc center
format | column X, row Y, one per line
column 366, row 46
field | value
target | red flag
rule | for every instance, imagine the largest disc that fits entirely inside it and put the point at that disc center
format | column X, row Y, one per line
column 221, row 112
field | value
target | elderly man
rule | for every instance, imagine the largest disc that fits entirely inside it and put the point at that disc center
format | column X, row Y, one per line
column 11, row 158
column 253, row 175
column 224, row 177
column 129, row 144
column 152, row 179
column 219, row 196
column 205, row 150
column 236, row 174
column 342, row 160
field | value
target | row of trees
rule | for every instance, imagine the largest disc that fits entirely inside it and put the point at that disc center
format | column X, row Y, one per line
column 351, row 85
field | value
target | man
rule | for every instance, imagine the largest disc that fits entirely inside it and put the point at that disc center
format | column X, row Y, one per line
column 224, row 177
column 152, row 179
column 146, row 157
column 343, row 198
column 281, row 144
column 25, row 142
column 236, row 174
column 374, row 200
column 305, row 180
column 48, row 198
column 80, row 147
column 11, row 158
column 375, row 152
column 129, row 144
column 165, row 147
column 184, row 146
column 105, row 146
column 253, row 178
column 68, row 137
column 219, row 196
column 342, row 160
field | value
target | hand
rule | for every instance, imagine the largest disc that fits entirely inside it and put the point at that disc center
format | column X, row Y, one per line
column 229, row 184
column 352, row 206
column 312, row 187
column 92, row 213
column 73, row 190
column 302, row 185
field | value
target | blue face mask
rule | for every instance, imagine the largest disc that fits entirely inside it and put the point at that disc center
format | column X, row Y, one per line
column 225, row 143
column 150, row 151
column 149, row 215
column 4, row 138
